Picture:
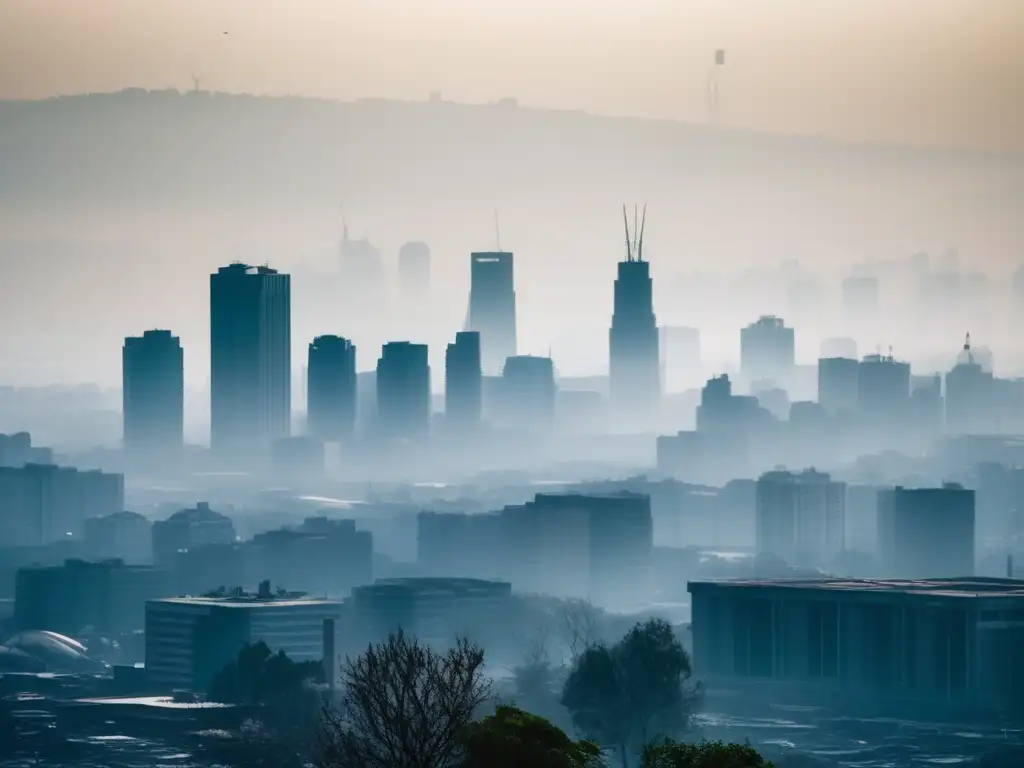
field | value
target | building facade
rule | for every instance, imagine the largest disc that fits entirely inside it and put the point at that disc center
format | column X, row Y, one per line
column 403, row 391
column 331, row 389
column 250, row 358
column 190, row 639
column 938, row 642
column 801, row 517
column 463, row 382
column 153, row 393
column 926, row 533
column 492, row 307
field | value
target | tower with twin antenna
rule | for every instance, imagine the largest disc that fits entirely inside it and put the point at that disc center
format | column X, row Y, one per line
column 633, row 365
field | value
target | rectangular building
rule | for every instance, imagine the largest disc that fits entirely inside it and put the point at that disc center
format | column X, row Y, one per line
column 941, row 641
column 190, row 639
column 800, row 517
column 925, row 533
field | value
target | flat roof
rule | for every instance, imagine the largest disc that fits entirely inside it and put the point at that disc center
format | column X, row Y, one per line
column 250, row 602
column 960, row 587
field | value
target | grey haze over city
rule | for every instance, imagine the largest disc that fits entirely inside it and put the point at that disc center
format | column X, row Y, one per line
column 405, row 385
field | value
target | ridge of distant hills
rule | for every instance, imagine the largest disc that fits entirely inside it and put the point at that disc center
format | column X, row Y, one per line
column 167, row 145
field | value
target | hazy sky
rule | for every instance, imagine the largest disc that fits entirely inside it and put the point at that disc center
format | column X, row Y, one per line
column 946, row 71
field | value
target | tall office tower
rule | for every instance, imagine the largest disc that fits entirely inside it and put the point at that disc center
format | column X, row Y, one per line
column 492, row 308
column 414, row 273
column 634, row 371
column 463, row 382
column 860, row 294
column 153, row 392
column 528, row 393
column 680, row 357
column 767, row 351
column 883, row 389
column 801, row 518
column 331, row 388
column 403, row 391
column 926, row 533
column 250, row 357
column 837, row 384
column 971, row 400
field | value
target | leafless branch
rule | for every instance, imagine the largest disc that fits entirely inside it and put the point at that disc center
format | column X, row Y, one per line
column 403, row 706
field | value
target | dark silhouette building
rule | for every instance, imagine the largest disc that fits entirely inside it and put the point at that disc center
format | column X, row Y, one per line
column 331, row 389
column 250, row 357
column 634, row 372
column 492, row 307
column 883, row 390
column 190, row 529
column 767, row 350
column 153, row 392
column 463, row 382
column 17, row 450
column 837, row 384
column 403, row 391
column 926, row 532
column 126, row 536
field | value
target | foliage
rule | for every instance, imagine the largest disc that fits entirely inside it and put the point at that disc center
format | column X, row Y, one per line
column 404, row 706
column 709, row 754
column 635, row 691
column 257, row 675
column 512, row 738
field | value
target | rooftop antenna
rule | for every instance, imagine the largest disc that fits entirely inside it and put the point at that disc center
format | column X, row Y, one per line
column 640, row 241
column 195, row 83
column 967, row 349
column 497, row 231
column 629, row 246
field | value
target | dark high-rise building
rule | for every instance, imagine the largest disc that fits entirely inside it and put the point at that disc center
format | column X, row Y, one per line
column 250, row 356
column 926, row 533
column 634, row 371
column 153, row 392
column 528, row 393
column 767, row 350
column 492, row 307
column 883, row 389
column 403, row 390
column 837, row 384
column 463, row 382
column 331, row 388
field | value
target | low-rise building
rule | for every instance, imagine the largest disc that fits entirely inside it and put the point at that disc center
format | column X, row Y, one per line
column 952, row 642
column 434, row 610
column 191, row 639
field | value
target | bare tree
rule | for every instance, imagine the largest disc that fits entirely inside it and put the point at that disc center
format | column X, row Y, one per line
column 581, row 623
column 404, row 706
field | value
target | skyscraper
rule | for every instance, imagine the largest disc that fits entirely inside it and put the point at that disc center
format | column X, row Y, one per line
column 153, row 392
column 463, row 382
column 492, row 307
column 331, row 388
column 634, row 373
column 767, row 351
column 250, row 357
column 403, row 390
